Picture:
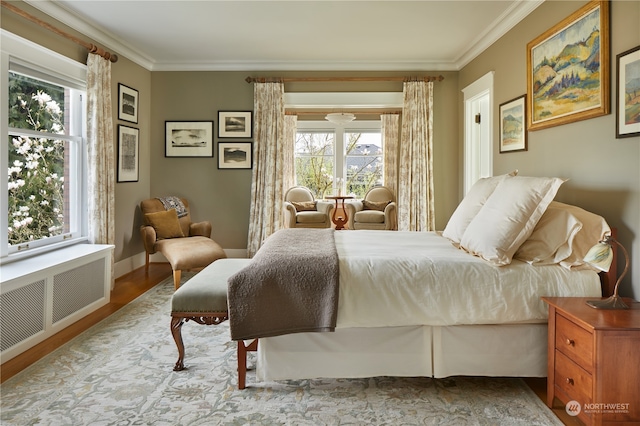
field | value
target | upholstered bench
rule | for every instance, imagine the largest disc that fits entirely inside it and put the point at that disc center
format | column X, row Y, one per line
column 203, row 299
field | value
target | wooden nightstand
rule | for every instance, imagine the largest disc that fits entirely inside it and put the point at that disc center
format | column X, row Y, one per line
column 594, row 360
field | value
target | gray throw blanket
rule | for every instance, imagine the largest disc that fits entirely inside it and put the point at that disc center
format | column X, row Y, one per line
column 172, row 202
column 290, row 286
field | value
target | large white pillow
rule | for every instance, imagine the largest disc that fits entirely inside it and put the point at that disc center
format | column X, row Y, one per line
column 508, row 217
column 470, row 206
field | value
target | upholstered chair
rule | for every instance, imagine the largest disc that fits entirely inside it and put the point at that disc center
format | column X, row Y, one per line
column 376, row 211
column 186, row 245
column 301, row 210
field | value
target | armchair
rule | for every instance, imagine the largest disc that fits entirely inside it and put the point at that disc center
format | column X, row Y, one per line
column 376, row 211
column 185, row 244
column 301, row 210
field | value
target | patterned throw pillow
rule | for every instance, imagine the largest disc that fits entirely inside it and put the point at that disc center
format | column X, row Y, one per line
column 375, row 205
column 304, row 206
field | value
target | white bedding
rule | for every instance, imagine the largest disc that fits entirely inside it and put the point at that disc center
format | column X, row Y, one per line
column 390, row 279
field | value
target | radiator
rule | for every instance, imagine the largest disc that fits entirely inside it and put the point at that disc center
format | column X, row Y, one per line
column 42, row 295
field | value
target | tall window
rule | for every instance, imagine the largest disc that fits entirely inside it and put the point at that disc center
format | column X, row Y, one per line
column 329, row 157
column 43, row 152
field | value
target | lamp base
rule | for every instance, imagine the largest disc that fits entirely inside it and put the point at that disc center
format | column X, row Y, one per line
column 613, row 302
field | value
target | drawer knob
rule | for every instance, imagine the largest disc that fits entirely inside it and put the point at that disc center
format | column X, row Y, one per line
column 569, row 381
column 571, row 342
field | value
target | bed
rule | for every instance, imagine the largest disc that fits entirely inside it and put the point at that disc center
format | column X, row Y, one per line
column 465, row 301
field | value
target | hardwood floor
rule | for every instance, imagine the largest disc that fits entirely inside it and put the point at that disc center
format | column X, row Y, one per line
column 132, row 285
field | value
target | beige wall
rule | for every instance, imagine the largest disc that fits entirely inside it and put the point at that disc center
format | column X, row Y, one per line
column 603, row 172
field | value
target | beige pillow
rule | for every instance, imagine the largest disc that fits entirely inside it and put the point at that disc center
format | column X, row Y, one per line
column 471, row 205
column 375, row 205
column 165, row 223
column 508, row 217
column 304, row 206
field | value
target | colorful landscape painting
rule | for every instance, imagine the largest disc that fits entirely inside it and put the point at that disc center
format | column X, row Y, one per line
column 566, row 70
column 512, row 128
column 632, row 93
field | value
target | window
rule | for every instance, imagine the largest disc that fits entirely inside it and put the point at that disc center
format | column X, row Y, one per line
column 328, row 156
column 43, row 150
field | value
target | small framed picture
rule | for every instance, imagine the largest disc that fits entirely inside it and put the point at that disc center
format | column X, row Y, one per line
column 128, row 153
column 628, row 86
column 127, row 103
column 235, row 155
column 188, row 139
column 513, row 129
column 234, row 124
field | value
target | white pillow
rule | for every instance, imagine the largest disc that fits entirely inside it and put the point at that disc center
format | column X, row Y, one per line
column 470, row 206
column 508, row 217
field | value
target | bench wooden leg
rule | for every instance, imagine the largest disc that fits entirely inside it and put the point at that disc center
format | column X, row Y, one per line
column 176, row 331
column 242, row 360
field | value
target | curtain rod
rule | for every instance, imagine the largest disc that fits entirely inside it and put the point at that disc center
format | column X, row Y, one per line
column 372, row 111
column 92, row 48
column 325, row 79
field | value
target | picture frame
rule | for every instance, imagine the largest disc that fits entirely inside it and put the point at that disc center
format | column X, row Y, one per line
column 513, row 125
column 127, row 104
column 235, row 124
column 128, row 154
column 235, row 155
column 188, row 139
column 628, row 93
column 568, row 69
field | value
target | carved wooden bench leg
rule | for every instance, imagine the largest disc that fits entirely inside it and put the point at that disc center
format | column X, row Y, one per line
column 242, row 360
column 179, row 318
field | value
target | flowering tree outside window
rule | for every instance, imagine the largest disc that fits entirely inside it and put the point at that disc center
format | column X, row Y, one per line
column 36, row 173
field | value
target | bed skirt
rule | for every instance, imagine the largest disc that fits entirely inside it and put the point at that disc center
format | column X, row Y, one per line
column 513, row 350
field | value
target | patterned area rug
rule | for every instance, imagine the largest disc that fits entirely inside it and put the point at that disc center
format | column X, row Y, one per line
column 120, row 373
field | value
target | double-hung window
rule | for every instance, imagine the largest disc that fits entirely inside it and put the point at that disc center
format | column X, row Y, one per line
column 331, row 158
column 43, row 152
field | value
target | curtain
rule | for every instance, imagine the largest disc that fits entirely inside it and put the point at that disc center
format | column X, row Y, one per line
column 415, row 172
column 101, row 158
column 390, row 136
column 272, row 162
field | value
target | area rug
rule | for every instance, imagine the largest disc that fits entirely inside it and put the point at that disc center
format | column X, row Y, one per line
column 119, row 372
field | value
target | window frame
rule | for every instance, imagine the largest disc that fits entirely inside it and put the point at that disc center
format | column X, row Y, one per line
column 25, row 57
column 339, row 150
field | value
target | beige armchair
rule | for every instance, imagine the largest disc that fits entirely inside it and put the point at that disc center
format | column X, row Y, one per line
column 301, row 210
column 185, row 244
column 376, row 211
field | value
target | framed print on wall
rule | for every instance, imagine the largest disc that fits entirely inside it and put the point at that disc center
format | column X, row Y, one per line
column 513, row 128
column 127, row 103
column 234, row 155
column 234, row 124
column 568, row 69
column 628, row 88
column 188, row 139
column 128, row 153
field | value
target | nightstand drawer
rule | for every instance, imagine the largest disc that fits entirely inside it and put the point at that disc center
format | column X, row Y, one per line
column 575, row 342
column 572, row 379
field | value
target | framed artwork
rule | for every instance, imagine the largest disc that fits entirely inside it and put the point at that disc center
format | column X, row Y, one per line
column 513, row 128
column 234, row 124
column 568, row 69
column 234, row 155
column 127, row 103
column 188, row 139
column 628, row 88
column 128, row 153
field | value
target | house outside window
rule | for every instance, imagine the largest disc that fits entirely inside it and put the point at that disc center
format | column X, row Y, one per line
column 43, row 148
column 329, row 157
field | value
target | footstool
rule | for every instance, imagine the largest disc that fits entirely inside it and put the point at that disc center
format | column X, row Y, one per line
column 203, row 299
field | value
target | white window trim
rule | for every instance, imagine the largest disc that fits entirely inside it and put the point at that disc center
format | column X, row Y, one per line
column 24, row 53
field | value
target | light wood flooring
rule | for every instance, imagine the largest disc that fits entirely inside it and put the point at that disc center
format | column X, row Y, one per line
column 135, row 283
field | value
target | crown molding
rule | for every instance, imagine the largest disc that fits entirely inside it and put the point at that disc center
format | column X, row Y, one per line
column 512, row 16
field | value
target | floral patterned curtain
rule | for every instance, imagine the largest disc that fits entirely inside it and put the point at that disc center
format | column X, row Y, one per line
column 390, row 136
column 415, row 181
column 101, row 158
column 272, row 162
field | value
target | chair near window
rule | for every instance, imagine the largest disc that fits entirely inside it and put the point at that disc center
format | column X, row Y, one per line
column 302, row 210
column 169, row 231
column 376, row 211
